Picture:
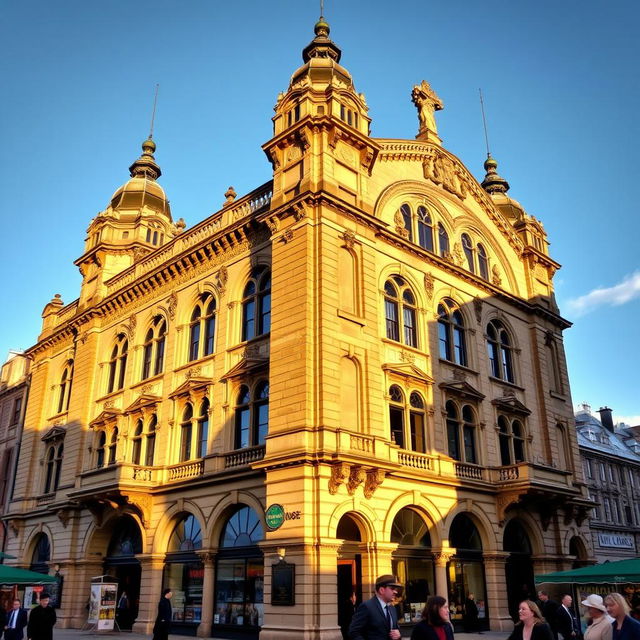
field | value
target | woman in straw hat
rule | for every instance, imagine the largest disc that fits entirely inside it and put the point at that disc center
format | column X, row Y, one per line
column 600, row 627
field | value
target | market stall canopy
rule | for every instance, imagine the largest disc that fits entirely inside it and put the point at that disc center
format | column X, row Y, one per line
column 6, row 555
column 13, row 575
column 610, row 573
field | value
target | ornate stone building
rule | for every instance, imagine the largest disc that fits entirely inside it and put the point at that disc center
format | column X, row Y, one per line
column 355, row 369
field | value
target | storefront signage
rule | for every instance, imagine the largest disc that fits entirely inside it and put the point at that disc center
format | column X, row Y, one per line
column 274, row 516
column 609, row 540
column 102, row 606
column 283, row 584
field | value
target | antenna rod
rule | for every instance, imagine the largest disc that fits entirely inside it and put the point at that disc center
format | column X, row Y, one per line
column 484, row 122
column 153, row 113
column 321, row 8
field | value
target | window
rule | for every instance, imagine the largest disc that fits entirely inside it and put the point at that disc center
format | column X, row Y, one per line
column 405, row 211
column 587, row 468
column 113, row 446
column 101, row 440
column 201, row 424
column 500, row 351
column 511, row 436
column 203, row 429
column 461, row 432
column 419, row 228
column 50, row 467
column 451, row 333
column 136, row 443
column 202, row 328
column 256, row 304
column 413, row 415
column 154, row 344
column 400, row 306
column 396, row 415
column 443, row 240
column 467, row 247
column 425, row 229
column 118, row 364
column 65, row 387
column 151, row 441
column 186, row 432
column 483, row 262
column 252, row 416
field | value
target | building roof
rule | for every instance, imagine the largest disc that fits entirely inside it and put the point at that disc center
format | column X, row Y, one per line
column 592, row 435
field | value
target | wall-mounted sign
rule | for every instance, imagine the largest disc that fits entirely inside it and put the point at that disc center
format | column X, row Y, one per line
column 616, row 540
column 283, row 584
column 274, row 516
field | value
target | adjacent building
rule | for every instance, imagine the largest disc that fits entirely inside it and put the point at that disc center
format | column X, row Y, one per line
column 355, row 369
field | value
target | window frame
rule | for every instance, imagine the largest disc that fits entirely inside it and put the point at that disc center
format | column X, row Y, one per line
column 407, row 418
column 256, row 304
column 251, row 415
column 500, row 350
column 401, row 312
column 118, row 364
column 452, row 338
column 202, row 328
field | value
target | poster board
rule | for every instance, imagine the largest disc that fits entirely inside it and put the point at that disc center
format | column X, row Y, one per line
column 102, row 606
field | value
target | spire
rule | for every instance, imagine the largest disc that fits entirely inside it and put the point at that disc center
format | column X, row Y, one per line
column 145, row 166
column 321, row 46
column 493, row 183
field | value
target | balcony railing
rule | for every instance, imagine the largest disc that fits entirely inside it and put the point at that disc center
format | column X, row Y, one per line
column 185, row 470
column 416, row 460
column 243, row 457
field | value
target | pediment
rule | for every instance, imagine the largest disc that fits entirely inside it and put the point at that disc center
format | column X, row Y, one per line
column 462, row 389
column 145, row 400
column 511, row 404
column 191, row 385
column 246, row 366
column 408, row 370
column 55, row 433
column 108, row 415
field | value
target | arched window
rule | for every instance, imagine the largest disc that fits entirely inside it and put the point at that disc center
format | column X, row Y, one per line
column 483, row 262
column 461, row 432
column 256, row 304
column 65, row 387
column 154, row 344
column 202, row 328
column 512, row 440
column 443, row 240
column 112, row 446
column 425, row 229
column 252, row 416
column 186, row 433
column 243, row 529
column 417, row 422
column 405, row 212
column 500, row 351
column 413, row 415
column 203, row 429
column 118, row 364
column 41, row 554
column 50, row 468
column 187, row 535
column 136, row 443
column 396, row 415
column 400, row 303
column 151, row 441
column 467, row 247
column 101, row 440
column 451, row 333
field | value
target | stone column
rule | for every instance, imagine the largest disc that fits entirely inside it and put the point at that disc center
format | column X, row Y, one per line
column 151, row 565
column 77, row 588
column 208, row 586
column 442, row 557
column 497, row 600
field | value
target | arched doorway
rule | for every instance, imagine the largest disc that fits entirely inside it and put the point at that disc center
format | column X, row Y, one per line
column 519, row 566
column 578, row 549
column 184, row 575
column 349, row 571
column 239, row 588
column 121, row 562
column 41, row 554
column 465, row 572
column 412, row 562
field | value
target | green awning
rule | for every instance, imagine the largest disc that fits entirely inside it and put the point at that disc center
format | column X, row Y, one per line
column 13, row 575
column 6, row 555
column 622, row 571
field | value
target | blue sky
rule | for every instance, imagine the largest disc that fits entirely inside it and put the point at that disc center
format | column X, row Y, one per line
column 562, row 95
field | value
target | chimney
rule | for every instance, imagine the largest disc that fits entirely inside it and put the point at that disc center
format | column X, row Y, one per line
column 606, row 418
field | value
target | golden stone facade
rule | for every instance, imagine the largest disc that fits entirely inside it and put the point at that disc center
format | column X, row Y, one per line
column 369, row 340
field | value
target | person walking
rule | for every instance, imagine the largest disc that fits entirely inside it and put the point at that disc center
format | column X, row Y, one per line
column 531, row 625
column 375, row 619
column 624, row 627
column 435, row 623
column 566, row 620
column 41, row 620
column 16, row 622
column 548, row 609
column 470, row 617
column 163, row 619
column 600, row 627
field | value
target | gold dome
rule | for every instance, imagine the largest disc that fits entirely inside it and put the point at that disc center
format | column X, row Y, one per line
column 138, row 192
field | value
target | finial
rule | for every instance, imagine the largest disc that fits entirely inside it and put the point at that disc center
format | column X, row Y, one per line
column 145, row 166
column 230, row 195
column 493, row 183
column 321, row 46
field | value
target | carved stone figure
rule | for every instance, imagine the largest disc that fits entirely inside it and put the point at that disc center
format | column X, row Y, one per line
column 427, row 102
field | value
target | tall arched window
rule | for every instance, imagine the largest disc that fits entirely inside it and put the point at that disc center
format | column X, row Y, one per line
column 136, row 443
column 65, row 387
column 151, row 441
column 202, row 328
column 405, row 212
column 467, row 247
column 512, row 440
column 118, row 364
column 417, row 422
column 461, row 432
column 256, row 304
column 402, row 414
column 113, row 444
column 186, row 433
column 203, row 429
column 154, row 344
column 451, row 333
column 252, row 415
column 58, row 466
column 400, row 306
column 50, row 467
column 396, row 415
column 500, row 351
column 101, row 442
column 483, row 262
column 41, row 554
column 443, row 240
column 425, row 229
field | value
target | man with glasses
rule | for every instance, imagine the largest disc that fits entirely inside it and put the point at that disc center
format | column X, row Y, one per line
column 376, row 619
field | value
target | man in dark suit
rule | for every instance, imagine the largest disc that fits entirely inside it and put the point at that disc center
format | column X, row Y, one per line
column 548, row 608
column 16, row 622
column 41, row 620
column 376, row 619
column 567, row 623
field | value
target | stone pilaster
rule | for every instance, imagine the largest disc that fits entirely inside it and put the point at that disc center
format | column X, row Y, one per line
column 152, row 566
column 208, row 586
column 442, row 557
column 494, row 566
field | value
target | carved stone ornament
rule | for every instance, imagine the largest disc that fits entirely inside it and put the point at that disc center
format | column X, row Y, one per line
column 108, row 404
column 194, row 372
column 357, row 476
column 548, row 338
column 15, row 526
column 458, row 256
column 373, row 481
column 505, row 500
column 496, row 279
column 339, row 475
column 273, row 224
column 349, row 239
column 477, row 307
column 442, row 557
column 147, row 388
column 405, row 356
column 172, row 305
column 229, row 196
column 428, row 285
column 287, row 236
column 133, row 323
column 400, row 228
column 223, row 278
column 299, row 211
column 139, row 253
column 427, row 102
column 143, row 502
column 442, row 170
column 64, row 515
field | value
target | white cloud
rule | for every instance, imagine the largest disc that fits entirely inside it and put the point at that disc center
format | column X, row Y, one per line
column 618, row 294
column 630, row 421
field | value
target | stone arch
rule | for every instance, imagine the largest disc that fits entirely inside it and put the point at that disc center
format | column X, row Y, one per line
column 480, row 520
column 531, row 527
column 33, row 540
column 97, row 538
column 237, row 284
column 362, row 513
column 167, row 523
column 399, row 269
column 424, row 506
column 220, row 512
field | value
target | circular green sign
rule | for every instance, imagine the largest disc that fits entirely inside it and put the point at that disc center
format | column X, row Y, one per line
column 274, row 516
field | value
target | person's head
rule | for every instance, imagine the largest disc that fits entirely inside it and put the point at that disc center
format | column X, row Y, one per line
column 471, row 596
column 16, row 603
column 44, row 599
column 543, row 595
column 166, row 593
column 529, row 613
column 595, row 606
column 436, row 611
column 567, row 600
column 617, row 606
column 387, row 587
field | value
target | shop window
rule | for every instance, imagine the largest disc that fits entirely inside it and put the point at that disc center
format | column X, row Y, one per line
column 202, row 328
column 500, row 351
column 256, row 304
column 512, row 441
column 462, row 432
column 118, row 364
column 451, row 333
column 252, row 415
column 65, row 388
column 153, row 348
column 400, row 307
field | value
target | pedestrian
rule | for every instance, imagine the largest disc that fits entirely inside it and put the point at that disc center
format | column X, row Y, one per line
column 470, row 617
column 548, row 608
column 435, row 623
column 163, row 619
column 566, row 620
column 375, row 619
column 41, row 620
column 122, row 611
column 624, row 627
column 16, row 622
column 600, row 622
column 531, row 625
